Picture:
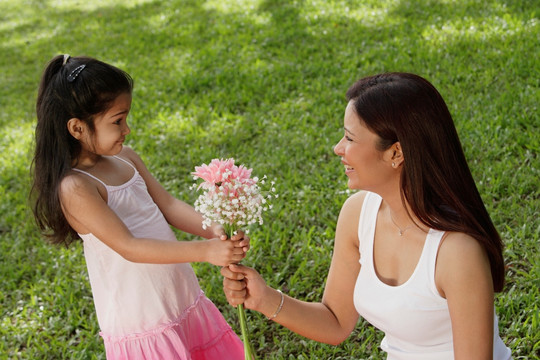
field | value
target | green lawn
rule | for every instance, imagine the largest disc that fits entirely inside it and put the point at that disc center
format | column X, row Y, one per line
column 264, row 82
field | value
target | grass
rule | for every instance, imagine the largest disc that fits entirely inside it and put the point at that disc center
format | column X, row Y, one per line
column 264, row 82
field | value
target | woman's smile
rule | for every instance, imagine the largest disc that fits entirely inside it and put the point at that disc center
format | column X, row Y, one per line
column 348, row 168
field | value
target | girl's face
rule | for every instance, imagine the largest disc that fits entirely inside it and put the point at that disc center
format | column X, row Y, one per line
column 110, row 128
column 364, row 164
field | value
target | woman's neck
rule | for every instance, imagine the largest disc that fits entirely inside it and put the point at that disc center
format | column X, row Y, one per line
column 401, row 215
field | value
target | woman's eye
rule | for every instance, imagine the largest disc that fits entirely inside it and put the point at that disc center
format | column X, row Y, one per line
column 117, row 122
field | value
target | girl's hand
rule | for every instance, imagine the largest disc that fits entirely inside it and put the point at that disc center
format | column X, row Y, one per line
column 244, row 285
column 223, row 252
column 241, row 240
column 219, row 231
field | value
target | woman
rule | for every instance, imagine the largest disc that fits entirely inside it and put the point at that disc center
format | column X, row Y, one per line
column 416, row 253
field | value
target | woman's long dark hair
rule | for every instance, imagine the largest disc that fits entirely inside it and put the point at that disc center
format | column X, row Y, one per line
column 435, row 181
column 67, row 90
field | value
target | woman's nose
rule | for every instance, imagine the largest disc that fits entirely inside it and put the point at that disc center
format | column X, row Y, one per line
column 338, row 148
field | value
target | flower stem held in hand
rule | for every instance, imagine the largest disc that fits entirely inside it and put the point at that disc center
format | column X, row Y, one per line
column 248, row 351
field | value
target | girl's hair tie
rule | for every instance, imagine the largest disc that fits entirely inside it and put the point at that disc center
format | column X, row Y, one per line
column 73, row 75
column 66, row 58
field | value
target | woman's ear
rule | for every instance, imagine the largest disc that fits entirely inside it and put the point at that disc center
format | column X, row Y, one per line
column 396, row 155
column 76, row 128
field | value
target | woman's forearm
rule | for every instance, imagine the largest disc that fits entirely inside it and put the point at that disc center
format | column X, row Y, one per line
column 313, row 320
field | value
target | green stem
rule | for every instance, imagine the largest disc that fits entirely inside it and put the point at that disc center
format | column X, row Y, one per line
column 248, row 351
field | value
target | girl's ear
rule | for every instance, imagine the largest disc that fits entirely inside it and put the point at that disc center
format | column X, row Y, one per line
column 75, row 127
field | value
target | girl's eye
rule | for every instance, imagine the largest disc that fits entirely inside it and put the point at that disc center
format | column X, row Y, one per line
column 348, row 138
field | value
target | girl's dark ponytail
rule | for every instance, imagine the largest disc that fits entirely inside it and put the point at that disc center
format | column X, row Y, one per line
column 70, row 87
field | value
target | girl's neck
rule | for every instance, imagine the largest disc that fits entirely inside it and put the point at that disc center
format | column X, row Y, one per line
column 87, row 161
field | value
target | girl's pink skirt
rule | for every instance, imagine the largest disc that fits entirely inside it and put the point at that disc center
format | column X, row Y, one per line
column 200, row 334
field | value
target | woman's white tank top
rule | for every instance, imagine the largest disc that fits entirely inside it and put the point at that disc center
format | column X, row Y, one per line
column 413, row 315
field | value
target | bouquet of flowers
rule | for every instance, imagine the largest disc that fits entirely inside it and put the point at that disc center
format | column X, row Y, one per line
column 233, row 198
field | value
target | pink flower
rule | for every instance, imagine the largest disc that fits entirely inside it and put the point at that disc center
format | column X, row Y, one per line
column 241, row 174
column 221, row 171
column 214, row 173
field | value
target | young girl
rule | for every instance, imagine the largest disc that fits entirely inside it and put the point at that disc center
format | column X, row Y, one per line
column 87, row 184
column 416, row 253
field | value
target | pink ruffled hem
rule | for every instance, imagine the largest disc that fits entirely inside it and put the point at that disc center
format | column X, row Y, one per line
column 201, row 333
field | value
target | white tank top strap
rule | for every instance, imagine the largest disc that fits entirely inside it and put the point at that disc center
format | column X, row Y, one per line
column 88, row 174
column 366, row 224
column 431, row 249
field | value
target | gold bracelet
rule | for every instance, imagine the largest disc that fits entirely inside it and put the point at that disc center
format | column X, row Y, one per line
column 279, row 307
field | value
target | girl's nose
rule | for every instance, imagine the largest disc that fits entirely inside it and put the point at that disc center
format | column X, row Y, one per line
column 127, row 130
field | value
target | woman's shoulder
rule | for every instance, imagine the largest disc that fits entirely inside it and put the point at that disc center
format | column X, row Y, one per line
column 458, row 244
column 349, row 216
column 460, row 255
column 352, row 206
column 354, row 203
column 356, row 199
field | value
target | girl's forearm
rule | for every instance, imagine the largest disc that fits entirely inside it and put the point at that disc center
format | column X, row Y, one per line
column 154, row 251
column 184, row 217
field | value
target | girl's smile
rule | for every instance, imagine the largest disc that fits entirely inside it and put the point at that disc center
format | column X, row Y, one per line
column 110, row 128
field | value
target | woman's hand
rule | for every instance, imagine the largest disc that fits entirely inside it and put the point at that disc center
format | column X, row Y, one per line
column 244, row 285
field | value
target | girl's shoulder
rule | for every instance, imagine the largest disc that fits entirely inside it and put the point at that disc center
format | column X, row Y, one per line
column 128, row 153
column 76, row 186
column 75, row 180
column 131, row 155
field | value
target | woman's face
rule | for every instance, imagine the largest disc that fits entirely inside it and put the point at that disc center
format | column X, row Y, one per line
column 364, row 164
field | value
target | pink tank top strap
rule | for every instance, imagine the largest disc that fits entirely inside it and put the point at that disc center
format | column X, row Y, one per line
column 88, row 174
column 127, row 162
column 95, row 178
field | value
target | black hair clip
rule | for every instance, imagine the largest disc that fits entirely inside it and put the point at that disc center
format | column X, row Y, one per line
column 73, row 75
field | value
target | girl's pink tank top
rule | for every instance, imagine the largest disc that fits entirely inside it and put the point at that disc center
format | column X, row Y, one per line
column 132, row 297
